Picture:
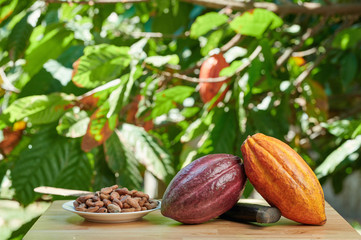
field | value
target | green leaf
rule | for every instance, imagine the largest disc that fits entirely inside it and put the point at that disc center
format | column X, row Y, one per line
column 21, row 231
column 269, row 61
column 116, row 98
column 148, row 152
column 159, row 61
column 171, row 21
column 316, row 100
column 121, row 160
column 57, row 39
column 68, row 12
column 162, row 5
column 357, row 131
column 271, row 127
column 120, row 96
column 4, row 120
column 58, row 71
column 254, row 72
column 41, row 83
column 39, row 109
column 194, row 129
column 348, row 38
column 206, row 23
column 231, row 70
column 100, row 128
column 7, row 10
column 190, row 111
column 99, row 17
column 197, row 127
column 337, row 156
column 73, row 124
column 19, row 38
column 168, row 99
column 103, row 174
column 343, row 128
column 349, row 65
column 222, row 134
column 101, row 64
column 99, row 95
column 256, row 22
column 248, row 189
column 135, row 73
column 136, row 50
column 3, row 169
column 52, row 161
column 212, row 42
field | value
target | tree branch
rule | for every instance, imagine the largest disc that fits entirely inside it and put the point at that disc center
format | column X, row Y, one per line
column 309, row 33
column 308, row 71
column 157, row 35
column 92, row 2
column 236, row 39
column 5, row 83
column 284, row 9
column 167, row 74
column 305, row 52
column 231, row 43
column 327, row 44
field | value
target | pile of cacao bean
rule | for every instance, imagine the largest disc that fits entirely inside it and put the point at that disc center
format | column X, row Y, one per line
column 114, row 200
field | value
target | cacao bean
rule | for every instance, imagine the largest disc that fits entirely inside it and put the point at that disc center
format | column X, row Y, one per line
column 114, row 195
column 104, row 196
column 110, row 200
column 124, row 198
column 102, row 210
column 113, row 208
column 147, row 205
column 106, row 190
column 133, row 203
column 118, row 202
column 90, row 203
column 92, row 209
column 141, row 195
column 82, row 199
column 81, row 207
column 99, row 203
column 122, row 191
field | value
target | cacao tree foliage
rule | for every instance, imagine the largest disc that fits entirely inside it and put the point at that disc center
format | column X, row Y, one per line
column 96, row 94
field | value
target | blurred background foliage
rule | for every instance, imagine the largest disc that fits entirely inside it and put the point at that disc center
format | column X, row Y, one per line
column 94, row 94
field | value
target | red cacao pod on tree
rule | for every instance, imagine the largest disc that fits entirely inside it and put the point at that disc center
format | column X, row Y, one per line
column 211, row 69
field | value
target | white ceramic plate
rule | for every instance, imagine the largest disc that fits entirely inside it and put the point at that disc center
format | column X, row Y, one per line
column 109, row 217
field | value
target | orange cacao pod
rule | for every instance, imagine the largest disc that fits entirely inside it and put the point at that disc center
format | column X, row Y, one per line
column 211, row 69
column 284, row 179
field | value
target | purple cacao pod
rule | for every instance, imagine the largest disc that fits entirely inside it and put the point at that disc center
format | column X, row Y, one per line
column 205, row 189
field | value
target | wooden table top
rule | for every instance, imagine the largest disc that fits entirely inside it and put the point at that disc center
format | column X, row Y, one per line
column 56, row 223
